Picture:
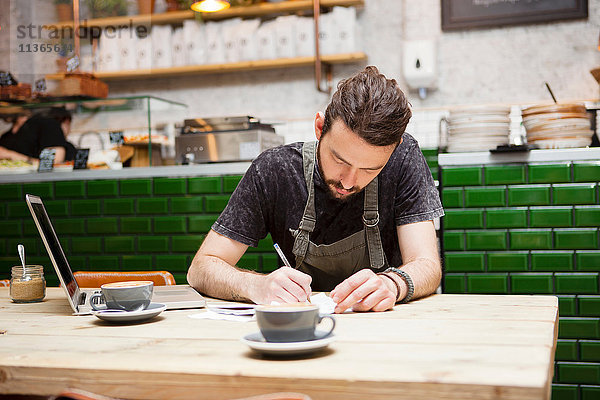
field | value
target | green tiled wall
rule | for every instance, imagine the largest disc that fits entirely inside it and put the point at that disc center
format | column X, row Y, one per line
column 532, row 229
column 120, row 225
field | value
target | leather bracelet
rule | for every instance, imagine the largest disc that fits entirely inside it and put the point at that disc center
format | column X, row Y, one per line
column 395, row 283
column 409, row 283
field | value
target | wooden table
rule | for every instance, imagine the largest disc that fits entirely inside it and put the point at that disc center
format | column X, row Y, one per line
column 440, row 347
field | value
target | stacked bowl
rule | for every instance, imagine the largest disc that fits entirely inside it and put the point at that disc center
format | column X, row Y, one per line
column 478, row 128
column 557, row 126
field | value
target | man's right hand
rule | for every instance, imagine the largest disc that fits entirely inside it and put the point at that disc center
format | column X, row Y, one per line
column 284, row 285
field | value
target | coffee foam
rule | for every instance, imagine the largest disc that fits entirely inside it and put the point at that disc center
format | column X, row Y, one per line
column 126, row 284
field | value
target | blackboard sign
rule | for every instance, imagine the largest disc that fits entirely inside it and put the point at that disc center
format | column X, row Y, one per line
column 116, row 137
column 46, row 160
column 464, row 14
column 81, row 159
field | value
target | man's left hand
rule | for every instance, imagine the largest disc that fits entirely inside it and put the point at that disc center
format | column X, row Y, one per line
column 364, row 291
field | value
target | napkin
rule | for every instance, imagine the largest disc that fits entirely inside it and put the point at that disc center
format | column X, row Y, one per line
column 208, row 314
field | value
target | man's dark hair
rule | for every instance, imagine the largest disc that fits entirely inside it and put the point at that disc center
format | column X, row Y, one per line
column 370, row 105
column 61, row 114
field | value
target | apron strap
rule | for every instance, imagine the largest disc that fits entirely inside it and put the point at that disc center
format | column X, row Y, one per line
column 371, row 220
column 309, row 218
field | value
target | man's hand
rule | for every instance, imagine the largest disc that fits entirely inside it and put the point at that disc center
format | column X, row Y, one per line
column 364, row 291
column 284, row 285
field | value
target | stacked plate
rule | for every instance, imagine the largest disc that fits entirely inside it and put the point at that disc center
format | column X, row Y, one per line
column 557, row 126
column 479, row 128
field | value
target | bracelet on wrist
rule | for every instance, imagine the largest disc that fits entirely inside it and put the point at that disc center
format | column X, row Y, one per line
column 409, row 283
column 395, row 283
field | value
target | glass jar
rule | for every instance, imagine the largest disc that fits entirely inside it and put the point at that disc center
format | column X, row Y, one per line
column 28, row 288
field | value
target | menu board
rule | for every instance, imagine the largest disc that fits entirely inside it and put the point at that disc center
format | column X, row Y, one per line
column 464, row 14
column 81, row 159
column 116, row 137
column 47, row 160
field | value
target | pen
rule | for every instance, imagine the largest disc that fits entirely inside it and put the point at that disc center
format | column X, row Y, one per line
column 285, row 261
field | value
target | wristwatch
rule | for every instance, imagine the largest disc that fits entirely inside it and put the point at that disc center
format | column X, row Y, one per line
column 409, row 283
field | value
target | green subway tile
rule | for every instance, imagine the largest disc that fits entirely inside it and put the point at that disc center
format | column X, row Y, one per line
column 69, row 189
column 579, row 328
column 531, row 283
column 175, row 263
column 32, row 246
column 455, row 283
column 454, row 241
column 205, row 184
column 452, row 198
column 152, row 206
column 434, row 174
column 487, row 284
column 586, row 172
column 202, row 223
column 270, row 262
column 170, row 186
column 576, row 283
column 186, row 244
column 44, row 190
column 432, row 163
column 85, row 245
column 590, row 392
column 250, row 262
column 85, row 207
column 581, row 238
column 485, row 197
column 136, row 263
column 264, row 245
column 57, row 208
column 506, row 218
column 136, row 187
column 554, row 217
column 11, row 228
column 550, row 173
column 3, row 251
column 153, row 244
column 216, row 203
column 102, row 188
column 587, row 216
column 464, row 262
column 589, row 306
column 529, row 240
column 17, row 210
column 566, row 350
column 2, row 211
column 29, row 229
column 104, row 263
column 78, row 263
column 486, row 240
column 529, row 195
column 567, row 305
column 590, row 350
column 507, row 262
column 135, row 225
column 102, row 225
column 579, row 372
column 119, row 244
column 588, row 260
column 552, row 261
column 69, row 226
column 462, row 176
column 230, row 182
column 431, row 152
column 187, row 205
column 180, row 278
column 119, row 206
column 574, row 194
column 11, row 191
column 504, row 174
column 460, row 219
column 169, row 225
column 565, row 392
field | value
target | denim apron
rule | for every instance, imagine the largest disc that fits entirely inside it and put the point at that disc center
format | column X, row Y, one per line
column 330, row 264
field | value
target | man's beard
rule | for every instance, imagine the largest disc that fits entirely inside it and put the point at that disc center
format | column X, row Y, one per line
column 332, row 184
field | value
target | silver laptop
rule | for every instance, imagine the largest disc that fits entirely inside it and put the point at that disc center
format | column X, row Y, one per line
column 174, row 296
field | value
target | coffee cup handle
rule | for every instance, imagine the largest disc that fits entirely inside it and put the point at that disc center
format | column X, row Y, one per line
column 92, row 297
column 321, row 318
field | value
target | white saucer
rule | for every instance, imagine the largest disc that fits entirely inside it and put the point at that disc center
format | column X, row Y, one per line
column 258, row 343
column 131, row 316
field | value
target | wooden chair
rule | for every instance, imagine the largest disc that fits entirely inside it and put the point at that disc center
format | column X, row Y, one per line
column 94, row 279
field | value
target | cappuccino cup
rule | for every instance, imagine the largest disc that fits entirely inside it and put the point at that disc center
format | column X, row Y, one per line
column 292, row 322
column 125, row 296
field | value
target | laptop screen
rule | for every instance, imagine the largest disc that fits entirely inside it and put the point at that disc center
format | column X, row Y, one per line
column 53, row 246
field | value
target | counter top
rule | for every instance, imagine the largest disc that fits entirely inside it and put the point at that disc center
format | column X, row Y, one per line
column 233, row 168
column 485, row 157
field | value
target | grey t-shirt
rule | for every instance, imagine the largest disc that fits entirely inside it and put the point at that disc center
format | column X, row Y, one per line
column 272, row 195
